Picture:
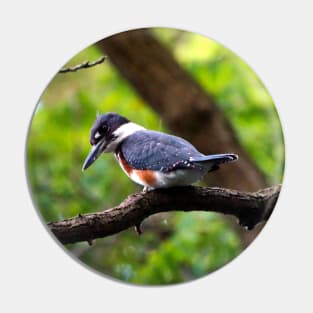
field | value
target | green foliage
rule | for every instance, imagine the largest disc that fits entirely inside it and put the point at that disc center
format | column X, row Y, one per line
column 239, row 93
column 174, row 247
column 201, row 241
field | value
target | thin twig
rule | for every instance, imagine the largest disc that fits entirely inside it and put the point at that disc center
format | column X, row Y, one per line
column 85, row 64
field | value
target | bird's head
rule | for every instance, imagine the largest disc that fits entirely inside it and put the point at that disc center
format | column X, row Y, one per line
column 107, row 132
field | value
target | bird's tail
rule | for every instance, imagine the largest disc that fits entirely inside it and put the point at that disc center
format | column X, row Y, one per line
column 216, row 159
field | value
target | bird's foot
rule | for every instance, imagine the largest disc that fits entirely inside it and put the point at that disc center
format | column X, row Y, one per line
column 147, row 188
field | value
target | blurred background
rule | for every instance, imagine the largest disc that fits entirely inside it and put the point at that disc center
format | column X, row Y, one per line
column 167, row 80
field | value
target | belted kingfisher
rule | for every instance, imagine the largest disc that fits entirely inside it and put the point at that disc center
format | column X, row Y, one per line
column 150, row 158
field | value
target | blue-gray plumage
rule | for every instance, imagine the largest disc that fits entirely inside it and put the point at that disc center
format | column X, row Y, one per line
column 165, row 153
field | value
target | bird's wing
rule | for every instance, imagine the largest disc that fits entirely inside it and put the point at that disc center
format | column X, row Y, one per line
column 151, row 150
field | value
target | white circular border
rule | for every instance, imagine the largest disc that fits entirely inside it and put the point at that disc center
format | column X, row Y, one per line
column 271, row 274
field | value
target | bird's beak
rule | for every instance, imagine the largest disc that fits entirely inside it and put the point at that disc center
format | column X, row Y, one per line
column 94, row 153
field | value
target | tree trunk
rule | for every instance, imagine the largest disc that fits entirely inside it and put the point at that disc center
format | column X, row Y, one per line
column 183, row 106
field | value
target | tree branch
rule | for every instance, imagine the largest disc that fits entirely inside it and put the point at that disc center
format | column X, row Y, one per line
column 85, row 64
column 250, row 209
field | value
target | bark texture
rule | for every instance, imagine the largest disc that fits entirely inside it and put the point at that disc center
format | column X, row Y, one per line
column 249, row 208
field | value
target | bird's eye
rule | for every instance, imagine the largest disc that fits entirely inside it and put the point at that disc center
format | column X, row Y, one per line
column 103, row 129
column 100, row 133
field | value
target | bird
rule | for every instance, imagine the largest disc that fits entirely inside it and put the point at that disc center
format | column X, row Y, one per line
column 150, row 158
